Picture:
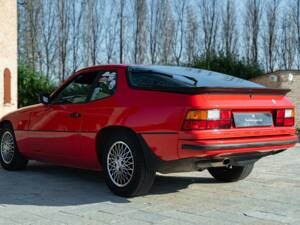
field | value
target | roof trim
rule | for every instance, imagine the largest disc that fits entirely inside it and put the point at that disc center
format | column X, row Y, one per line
column 101, row 66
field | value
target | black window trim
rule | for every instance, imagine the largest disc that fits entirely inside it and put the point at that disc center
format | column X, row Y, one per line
column 203, row 89
column 159, row 89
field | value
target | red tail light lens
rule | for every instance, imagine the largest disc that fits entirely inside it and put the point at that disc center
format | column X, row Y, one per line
column 207, row 119
column 194, row 124
column 285, row 117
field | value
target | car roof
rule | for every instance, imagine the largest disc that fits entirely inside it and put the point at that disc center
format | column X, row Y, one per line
column 136, row 66
column 102, row 66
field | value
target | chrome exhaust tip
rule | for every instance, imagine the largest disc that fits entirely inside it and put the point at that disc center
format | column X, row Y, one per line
column 226, row 162
column 222, row 163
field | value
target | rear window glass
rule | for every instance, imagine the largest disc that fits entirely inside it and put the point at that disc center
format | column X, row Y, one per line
column 156, row 77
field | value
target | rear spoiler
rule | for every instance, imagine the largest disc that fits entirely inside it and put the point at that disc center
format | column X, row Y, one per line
column 218, row 90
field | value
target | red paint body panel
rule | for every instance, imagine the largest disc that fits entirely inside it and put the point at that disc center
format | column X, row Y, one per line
column 47, row 133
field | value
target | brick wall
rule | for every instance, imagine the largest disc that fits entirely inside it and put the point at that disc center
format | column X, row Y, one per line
column 280, row 79
column 8, row 54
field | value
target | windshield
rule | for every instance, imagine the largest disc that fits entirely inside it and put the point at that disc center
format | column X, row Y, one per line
column 182, row 77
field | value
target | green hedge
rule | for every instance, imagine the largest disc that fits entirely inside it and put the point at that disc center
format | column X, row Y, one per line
column 30, row 85
column 231, row 65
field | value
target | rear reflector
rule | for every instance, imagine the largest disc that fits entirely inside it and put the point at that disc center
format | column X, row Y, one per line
column 285, row 117
column 207, row 119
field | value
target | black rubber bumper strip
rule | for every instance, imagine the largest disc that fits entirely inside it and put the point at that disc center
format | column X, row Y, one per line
column 158, row 133
column 236, row 146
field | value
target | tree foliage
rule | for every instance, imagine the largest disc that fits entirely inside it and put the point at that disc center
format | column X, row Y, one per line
column 230, row 64
column 57, row 37
column 30, row 84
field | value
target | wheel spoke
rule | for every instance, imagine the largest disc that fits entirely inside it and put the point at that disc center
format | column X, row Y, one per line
column 7, row 147
column 120, row 164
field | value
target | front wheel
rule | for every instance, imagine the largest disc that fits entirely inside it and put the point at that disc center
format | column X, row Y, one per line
column 10, row 158
column 231, row 174
column 126, row 172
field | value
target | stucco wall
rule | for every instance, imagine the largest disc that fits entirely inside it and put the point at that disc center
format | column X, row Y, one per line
column 283, row 80
column 8, row 51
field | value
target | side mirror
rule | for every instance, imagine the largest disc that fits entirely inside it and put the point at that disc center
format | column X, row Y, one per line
column 44, row 98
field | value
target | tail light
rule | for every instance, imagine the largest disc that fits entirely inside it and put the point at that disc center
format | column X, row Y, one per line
column 207, row 119
column 285, row 117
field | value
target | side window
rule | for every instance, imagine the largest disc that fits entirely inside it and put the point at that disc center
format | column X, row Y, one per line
column 105, row 85
column 157, row 80
column 77, row 91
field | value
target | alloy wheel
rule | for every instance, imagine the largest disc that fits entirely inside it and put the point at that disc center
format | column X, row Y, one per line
column 120, row 164
column 7, row 147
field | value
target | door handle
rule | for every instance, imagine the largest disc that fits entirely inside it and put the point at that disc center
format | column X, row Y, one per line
column 75, row 115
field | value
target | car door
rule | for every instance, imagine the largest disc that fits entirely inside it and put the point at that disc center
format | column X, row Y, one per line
column 54, row 128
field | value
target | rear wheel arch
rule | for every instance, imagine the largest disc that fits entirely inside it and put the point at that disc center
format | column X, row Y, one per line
column 142, row 175
column 104, row 134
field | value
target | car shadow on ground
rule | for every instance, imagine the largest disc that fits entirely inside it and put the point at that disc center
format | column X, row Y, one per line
column 171, row 183
column 49, row 185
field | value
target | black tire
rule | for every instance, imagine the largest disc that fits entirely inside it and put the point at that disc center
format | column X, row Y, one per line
column 231, row 174
column 142, row 177
column 17, row 161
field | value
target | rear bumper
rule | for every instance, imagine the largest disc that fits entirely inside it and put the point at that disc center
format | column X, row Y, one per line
column 199, row 164
column 227, row 146
column 186, row 144
column 200, row 157
column 238, row 145
column 174, row 146
column 167, row 153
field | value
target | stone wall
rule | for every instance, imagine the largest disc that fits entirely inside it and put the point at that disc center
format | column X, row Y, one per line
column 8, row 54
column 284, row 79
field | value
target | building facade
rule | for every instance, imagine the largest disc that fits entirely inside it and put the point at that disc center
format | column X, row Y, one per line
column 284, row 79
column 8, row 56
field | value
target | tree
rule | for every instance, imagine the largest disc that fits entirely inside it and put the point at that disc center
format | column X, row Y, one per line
column 229, row 28
column 63, row 37
column 252, row 29
column 209, row 12
column 157, row 10
column 296, row 21
column 121, row 30
column 57, row 37
column 229, row 65
column 21, row 31
column 178, row 41
column 270, row 35
column 30, row 84
column 140, row 38
column 76, row 34
column 94, row 24
column 191, row 34
column 111, row 32
column 30, row 12
column 167, row 27
column 288, row 43
column 48, row 35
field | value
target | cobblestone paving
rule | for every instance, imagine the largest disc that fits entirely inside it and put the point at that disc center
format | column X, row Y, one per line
column 45, row 194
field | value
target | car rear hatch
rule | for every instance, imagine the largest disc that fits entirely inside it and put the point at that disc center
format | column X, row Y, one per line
column 247, row 109
column 223, row 114
column 220, row 121
column 240, row 120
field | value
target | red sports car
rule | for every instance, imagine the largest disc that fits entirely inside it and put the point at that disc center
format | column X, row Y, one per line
column 132, row 121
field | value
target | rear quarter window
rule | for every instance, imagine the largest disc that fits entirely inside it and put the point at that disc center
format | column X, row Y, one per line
column 163, row 77
column 153, row 80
